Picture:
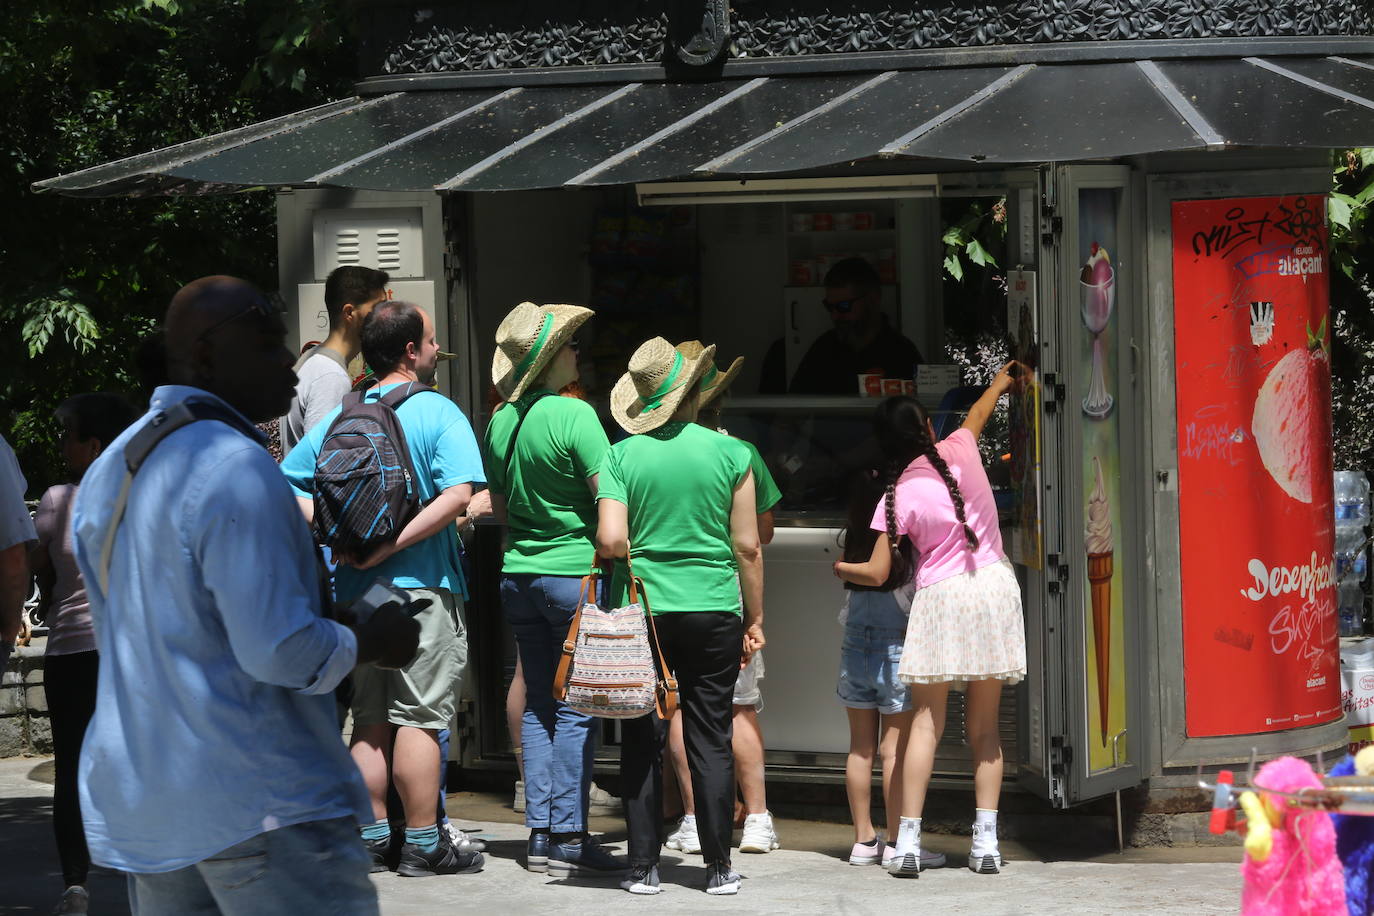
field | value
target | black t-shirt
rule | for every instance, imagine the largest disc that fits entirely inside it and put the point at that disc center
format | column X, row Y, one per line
column 831, row 367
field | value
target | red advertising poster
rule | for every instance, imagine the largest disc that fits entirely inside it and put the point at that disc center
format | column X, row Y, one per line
column 1253, row 373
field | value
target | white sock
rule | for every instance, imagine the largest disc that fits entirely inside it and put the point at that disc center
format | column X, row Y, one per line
column 689, row 819
column 908, row 835
column 985, row 817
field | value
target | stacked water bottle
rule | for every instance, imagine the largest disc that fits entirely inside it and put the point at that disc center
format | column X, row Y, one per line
column 1352, row 549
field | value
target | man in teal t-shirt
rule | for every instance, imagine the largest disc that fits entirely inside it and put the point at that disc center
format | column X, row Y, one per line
column 399, row 713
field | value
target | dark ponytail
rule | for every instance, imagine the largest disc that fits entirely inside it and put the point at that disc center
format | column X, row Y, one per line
column 903, row 430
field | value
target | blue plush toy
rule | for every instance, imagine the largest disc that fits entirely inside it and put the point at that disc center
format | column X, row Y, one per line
column 1355, row 840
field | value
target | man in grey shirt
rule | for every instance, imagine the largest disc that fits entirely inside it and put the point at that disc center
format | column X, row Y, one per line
column 16, row 534
column 322, row 372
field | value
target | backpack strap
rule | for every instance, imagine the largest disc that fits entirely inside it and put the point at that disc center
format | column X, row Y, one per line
column 402, row 393
column 141, row 445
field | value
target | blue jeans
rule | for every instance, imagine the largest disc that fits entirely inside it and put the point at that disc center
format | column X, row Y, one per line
column 316, row 867
column 559, row 743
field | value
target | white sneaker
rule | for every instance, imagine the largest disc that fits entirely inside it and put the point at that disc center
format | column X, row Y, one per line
column 984, row 858
column 603, row 803
column 759, row 835
column 685, row 838
column 462, row 840
column 929, row 858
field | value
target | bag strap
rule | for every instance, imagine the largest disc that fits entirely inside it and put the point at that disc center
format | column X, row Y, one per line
column 141, row 445
column 665, row 698
column 560, row 677
column 515, row 433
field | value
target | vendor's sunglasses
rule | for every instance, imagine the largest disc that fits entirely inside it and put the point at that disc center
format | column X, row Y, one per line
column 844, row 306
column 263, row 307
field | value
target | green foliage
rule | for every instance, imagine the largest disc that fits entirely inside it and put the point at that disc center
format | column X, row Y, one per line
column 90, row 81
column 980, row 226
column 1352, row 309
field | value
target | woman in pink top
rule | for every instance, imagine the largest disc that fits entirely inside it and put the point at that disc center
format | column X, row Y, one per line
column 965, row 628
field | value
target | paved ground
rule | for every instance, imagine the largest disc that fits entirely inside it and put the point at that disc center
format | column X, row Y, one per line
column 807, row 877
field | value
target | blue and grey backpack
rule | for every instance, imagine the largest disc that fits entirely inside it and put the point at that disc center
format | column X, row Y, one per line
column 366, row 489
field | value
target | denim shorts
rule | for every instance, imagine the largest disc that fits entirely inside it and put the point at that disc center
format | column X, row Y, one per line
column 869, row 658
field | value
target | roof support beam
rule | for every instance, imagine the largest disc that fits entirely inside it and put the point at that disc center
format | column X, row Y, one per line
column 414, row 135
column 629, row 152
column 896, row 147
column 716, row 164
column 535, row 136
column 1165, row 87
column 1310, row 83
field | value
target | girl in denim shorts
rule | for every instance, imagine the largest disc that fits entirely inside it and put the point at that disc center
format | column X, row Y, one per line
column 876, row 700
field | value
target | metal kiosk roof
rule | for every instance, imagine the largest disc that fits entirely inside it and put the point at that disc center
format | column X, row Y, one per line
column 462, row 134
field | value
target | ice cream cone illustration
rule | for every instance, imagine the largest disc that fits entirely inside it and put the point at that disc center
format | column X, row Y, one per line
column 1100, row 548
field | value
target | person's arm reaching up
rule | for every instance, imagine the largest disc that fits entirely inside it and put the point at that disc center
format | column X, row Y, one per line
column 982, row 409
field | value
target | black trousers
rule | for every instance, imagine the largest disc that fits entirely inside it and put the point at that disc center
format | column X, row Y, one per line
column 70, row 683
column 703, row 649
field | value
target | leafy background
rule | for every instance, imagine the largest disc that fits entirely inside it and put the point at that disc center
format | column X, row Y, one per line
column 89, row 81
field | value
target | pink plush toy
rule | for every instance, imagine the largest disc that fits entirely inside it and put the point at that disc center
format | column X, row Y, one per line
column 1293, row 871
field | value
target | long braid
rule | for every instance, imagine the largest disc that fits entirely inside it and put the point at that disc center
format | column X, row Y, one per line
column 955, row 496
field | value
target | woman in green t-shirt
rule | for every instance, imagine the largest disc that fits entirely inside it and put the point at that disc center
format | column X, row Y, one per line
column 679, row 500
column 543, row 454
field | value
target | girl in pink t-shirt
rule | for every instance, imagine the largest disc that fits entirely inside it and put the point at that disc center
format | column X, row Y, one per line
column 965, row 628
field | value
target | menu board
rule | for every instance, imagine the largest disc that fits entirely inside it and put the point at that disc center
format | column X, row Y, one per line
column 1253, row 372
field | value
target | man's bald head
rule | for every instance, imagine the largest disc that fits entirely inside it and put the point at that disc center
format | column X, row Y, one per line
column 223, row 337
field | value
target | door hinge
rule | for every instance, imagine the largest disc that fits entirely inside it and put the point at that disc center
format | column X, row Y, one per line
column 1051, row 225
column 1057, row 574
column 1054, row 392
column 1061, row 756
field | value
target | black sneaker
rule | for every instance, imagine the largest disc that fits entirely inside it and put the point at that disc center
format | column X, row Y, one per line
column 442, row 860
column 643, row 879
column 537, row 852
column 380, row 850
column 585, row 858
column 722, row 879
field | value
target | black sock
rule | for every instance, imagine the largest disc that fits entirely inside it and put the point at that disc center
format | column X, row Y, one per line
column 872, row 842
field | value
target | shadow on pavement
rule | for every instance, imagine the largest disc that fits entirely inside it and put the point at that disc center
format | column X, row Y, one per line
column 29, row 874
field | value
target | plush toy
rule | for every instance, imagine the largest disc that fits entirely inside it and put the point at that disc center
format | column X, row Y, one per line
column 1355, row 840
column 1290, row 866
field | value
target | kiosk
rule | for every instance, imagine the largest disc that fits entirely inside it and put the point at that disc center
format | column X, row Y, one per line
column 1146, row 182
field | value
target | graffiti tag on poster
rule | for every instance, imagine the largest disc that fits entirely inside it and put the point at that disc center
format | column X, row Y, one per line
column 1253, row 377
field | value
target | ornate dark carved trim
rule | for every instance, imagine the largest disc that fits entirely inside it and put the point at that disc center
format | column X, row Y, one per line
column 700, row 30
column 766, row 28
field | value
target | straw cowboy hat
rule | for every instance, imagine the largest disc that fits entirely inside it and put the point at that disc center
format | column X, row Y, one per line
column 527, row 339
column 713, row 382
column 660, row 376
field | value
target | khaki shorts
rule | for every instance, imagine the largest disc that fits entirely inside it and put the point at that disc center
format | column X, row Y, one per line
column 424, row 694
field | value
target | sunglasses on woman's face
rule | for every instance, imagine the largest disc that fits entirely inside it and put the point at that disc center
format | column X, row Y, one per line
column 843, row 306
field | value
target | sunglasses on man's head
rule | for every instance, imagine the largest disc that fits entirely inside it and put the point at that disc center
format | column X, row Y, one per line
column 267, row 308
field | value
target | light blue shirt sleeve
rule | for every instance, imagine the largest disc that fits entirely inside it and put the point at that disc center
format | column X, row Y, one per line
column 299, row 463
column 457, row 457
column 251, row 543
column 15, row 525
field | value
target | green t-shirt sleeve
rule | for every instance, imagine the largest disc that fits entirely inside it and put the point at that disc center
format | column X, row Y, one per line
column 610, row 485
column 766, row 492
column 494, row 454
column 587, row 442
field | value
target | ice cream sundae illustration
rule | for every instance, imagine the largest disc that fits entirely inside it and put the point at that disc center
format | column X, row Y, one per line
column 1291, row 423
column 1097, row 289
column 1100, row 547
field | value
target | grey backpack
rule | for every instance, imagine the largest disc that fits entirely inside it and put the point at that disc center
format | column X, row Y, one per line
column 366, row 488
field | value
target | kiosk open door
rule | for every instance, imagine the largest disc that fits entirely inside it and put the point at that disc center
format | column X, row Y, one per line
column 1077, row 435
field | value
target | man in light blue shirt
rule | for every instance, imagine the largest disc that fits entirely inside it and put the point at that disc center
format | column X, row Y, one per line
column 212, row 771
column 397, row 715
column 16, row 534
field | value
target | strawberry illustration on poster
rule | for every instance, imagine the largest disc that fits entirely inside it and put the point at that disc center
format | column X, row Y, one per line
column 1252, row 341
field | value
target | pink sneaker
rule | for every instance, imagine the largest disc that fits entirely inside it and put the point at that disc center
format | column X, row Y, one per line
column 867, row 853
